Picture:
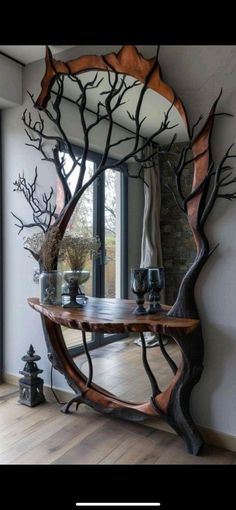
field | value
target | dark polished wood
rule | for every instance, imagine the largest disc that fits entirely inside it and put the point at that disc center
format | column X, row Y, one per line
column 115, row 315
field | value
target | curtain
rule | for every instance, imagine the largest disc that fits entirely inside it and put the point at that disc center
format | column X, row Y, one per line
column 151, row 251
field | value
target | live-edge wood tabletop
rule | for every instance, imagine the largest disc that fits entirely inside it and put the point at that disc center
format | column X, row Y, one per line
column 112, row 316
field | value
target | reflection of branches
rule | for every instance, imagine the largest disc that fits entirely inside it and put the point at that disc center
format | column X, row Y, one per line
column 110, row 101
column 43, row 212
column 36, row 134
column 114, row 98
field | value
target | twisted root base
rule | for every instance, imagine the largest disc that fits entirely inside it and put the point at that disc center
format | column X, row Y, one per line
column 172, row 404
column 190, row 434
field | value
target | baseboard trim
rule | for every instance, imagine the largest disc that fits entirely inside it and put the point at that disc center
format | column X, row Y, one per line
column 217, row 438
column 62, row 395
column 210, row 436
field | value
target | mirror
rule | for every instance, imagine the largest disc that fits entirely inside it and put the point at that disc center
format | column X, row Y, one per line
column 116, row 125
column 173, row 224
column 88, row 102
column 120, row 367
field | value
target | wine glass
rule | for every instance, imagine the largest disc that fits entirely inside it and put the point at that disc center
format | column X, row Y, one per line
column 139, row 286
column 156, row 281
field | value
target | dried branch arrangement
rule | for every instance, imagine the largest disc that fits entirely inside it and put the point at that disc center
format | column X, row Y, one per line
column 44, row 247
column 75, row 250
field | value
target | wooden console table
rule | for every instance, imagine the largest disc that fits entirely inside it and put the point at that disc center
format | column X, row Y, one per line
column 115, row 315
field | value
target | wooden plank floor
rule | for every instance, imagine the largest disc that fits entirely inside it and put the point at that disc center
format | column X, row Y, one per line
column 43, row 435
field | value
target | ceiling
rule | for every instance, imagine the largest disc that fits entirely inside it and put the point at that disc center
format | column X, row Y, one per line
column 28, row 54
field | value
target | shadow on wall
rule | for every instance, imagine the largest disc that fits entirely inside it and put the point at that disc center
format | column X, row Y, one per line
column 217, row 384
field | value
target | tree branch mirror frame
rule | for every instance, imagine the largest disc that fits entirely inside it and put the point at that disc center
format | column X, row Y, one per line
column 208, row 184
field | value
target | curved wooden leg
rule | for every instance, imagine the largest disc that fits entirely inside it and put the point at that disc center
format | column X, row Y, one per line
column 178, row 409
column 86, row 391
column 172, row 404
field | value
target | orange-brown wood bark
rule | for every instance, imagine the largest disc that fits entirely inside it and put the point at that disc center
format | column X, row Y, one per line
column 202, row 152
column 127, row 61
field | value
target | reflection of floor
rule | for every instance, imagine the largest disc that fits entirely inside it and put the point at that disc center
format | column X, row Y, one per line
column 118, row 367
column 73, row 337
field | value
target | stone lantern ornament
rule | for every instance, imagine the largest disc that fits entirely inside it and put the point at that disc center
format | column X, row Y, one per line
column 31, row 386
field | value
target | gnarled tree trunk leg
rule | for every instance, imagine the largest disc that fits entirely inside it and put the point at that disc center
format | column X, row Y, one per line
column 173, row 403
column 178, row 414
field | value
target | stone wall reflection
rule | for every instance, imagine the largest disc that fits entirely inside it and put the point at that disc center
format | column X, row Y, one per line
column 178, row 247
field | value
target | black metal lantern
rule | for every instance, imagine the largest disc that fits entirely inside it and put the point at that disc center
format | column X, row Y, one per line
column 31, row 386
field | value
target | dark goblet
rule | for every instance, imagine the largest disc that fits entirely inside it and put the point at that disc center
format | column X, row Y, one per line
column 156, row 280
column 139, row 286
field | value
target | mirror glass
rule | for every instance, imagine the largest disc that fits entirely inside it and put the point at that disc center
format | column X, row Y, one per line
column 153, row 108
column 104, row 202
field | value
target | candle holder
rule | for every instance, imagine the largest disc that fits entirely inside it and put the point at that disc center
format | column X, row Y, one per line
column 156, row 280
column 139, row 286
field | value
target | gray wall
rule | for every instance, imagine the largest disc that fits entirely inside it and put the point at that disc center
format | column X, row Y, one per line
column 197, row 73
column 10, row 83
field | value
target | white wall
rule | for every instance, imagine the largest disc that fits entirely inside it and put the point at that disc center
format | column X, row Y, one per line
column 196, row 73
column 10, row 83
column 21, row 324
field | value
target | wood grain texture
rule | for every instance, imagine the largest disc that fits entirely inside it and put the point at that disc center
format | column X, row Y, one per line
column 41, row 435
column 113, row 316
column 201, row 148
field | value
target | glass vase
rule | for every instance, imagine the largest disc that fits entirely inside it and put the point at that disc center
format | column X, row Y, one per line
column 80, row 276
column 72, row 288
column 50, row 287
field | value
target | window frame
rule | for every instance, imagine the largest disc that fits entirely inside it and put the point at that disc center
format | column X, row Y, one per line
column 99, row 339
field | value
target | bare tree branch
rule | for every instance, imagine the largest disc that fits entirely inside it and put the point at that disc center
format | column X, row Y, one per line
column 43, row 211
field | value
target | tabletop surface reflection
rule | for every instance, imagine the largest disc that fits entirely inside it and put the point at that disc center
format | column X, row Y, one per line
column 102, row 314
